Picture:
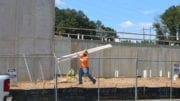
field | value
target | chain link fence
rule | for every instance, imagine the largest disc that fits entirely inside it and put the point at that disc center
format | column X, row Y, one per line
column 116, row 78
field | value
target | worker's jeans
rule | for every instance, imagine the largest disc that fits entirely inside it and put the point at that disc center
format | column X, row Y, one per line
column 85, row 71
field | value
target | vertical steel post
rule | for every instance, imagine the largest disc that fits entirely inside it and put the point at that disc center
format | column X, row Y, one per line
column 99, row 80
column 57, row 60
column 171, row 81
column 136, row 95
column 55, row 80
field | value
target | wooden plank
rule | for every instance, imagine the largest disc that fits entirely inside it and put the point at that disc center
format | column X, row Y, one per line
column 91, row 50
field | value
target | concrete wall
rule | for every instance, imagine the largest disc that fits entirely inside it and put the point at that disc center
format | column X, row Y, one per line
column 62, row 47
column 26, row 27
column 122, row 58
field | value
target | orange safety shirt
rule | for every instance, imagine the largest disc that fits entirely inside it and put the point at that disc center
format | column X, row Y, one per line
column 84, row 61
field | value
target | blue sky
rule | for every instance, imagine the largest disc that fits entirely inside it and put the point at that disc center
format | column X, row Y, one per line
column 122, row 15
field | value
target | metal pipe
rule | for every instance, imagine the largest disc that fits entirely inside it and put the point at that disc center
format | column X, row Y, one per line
column 27, row 67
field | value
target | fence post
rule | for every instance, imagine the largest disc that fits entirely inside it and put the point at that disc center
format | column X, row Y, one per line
column 55, row 76
column 171, row 82
column 99, row 80
column 136, row 95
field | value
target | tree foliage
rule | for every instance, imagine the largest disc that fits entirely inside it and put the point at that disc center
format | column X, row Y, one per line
column 66, row 19
column 168, row 25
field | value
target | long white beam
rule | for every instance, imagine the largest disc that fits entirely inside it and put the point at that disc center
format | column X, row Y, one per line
column 91, row 50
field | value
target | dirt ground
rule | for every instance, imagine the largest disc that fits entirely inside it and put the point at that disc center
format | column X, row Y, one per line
column 66, row 82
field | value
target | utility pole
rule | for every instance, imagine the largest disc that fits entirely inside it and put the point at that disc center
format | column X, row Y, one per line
column 149, row 35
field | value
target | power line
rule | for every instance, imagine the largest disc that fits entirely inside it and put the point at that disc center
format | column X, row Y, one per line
column 103, row 31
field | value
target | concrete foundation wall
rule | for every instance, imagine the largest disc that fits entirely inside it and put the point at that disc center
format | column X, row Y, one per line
column 26, row 27
column 122, row 58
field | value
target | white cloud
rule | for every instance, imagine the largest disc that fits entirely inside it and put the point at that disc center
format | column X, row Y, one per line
column 137, row 27
column 60, row 3
column 126, row 24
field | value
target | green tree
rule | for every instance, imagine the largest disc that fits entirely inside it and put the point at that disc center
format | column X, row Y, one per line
column 67, row 19
column 105, row 32
column 171, row 18
column 161, row 31
column 109, row 33
column 169, row 23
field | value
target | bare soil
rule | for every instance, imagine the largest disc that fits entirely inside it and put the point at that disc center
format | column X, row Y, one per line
column 67, row 82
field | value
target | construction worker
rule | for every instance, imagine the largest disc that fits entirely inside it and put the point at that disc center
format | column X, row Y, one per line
column 84, row 67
